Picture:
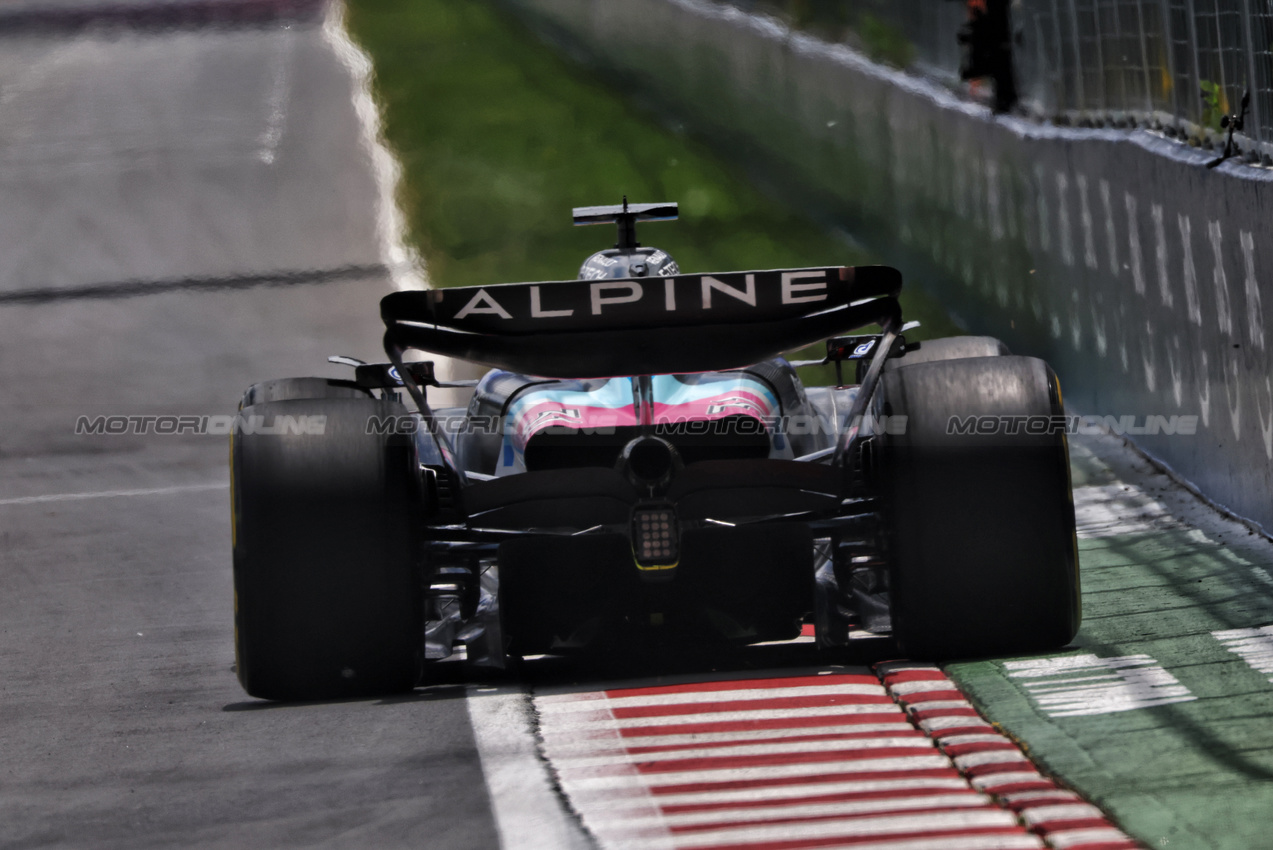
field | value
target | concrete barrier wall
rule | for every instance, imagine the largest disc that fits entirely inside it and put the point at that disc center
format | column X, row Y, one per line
column 1141, row 275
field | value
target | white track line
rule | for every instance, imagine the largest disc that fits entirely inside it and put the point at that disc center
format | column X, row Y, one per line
column 789, row 792
column 967, row 800
column 568, row 741
column 528, row 813
column 406, row 267
column 834, row 714
column 956, row 842
column 276, row 102
column 856, row 827
column 1254, row 646
column 782, row 794
column 743, row 748
column 1062, row 812
column 112, row 494
column 595, row 779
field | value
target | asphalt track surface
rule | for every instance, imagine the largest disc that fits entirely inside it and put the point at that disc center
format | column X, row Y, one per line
column 186, row 213
column 139, row 162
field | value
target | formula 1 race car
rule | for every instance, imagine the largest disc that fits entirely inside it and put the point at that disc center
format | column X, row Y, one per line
column 642, row 464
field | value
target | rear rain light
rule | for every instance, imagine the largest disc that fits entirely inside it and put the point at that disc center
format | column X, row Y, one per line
column 655, row 537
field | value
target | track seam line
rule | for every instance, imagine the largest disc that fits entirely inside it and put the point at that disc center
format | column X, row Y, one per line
column 158, row 18
column 136, row 288
column 111, row 494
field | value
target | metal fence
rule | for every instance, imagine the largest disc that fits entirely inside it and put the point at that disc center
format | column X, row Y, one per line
column 1176, row 66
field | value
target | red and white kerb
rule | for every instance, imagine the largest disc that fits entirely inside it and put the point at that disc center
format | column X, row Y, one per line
column 995, row 764
column 895, row 761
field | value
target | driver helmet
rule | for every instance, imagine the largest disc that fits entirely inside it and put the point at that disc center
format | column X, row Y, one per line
column 640, row 262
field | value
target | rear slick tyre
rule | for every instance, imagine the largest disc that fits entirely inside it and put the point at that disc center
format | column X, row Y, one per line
column 327, row 597
column 980, row 526
column 949, row 348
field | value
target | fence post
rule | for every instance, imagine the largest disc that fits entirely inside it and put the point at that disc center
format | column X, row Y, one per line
column 1078, row 60
column 1144, row 62
column 1103, row 77
column 1252, row 84
column 1196, row 70
column 1169, row 43
column 1063, row 85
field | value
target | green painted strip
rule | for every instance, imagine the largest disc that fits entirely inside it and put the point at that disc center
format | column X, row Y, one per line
column 1158, row 580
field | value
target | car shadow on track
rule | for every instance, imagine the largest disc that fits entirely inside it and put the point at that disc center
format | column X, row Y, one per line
column 428, row 693
column 450, row 679
column 660, row 662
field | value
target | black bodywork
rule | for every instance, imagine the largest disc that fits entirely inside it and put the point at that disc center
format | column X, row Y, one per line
column 640, row 466
column 742, row 533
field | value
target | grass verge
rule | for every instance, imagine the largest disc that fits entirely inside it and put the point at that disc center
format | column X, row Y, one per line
column 499, row 137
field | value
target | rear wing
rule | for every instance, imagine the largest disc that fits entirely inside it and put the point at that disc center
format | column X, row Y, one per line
column 637, row 212
column 641, row 326
column 626, row 216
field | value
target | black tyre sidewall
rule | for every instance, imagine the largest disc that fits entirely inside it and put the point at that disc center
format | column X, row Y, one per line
column 980, row 528
column 327, row 600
